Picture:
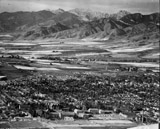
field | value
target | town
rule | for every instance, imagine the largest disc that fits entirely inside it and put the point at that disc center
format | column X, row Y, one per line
column 82, row 97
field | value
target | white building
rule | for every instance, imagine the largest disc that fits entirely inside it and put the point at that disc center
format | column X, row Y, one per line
column 77, row 111
column 93, row 110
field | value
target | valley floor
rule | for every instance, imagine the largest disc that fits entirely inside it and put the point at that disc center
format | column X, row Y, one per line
column 114, row 74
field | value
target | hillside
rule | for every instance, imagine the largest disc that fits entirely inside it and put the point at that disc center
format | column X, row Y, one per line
column 68, row 19
column 129, row 25
column 84, row 30
column 77, row 23
column 10, row 22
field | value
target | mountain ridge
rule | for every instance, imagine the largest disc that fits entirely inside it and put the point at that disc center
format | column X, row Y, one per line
column 68, row 24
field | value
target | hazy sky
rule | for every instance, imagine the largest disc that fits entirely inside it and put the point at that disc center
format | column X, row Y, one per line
column 110, row 6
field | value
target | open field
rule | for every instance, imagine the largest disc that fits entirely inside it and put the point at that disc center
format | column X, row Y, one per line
column 92, row 124
column 79, row 56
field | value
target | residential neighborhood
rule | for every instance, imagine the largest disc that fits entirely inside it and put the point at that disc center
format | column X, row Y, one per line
column 85, row 98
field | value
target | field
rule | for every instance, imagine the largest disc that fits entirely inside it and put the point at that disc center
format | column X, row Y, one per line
column 85, row 124
column 67, row 58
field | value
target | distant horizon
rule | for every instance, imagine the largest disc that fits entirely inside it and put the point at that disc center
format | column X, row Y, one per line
column 76, row 8
column 107, row 6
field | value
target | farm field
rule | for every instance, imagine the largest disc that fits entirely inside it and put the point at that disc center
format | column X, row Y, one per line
column 83, row 56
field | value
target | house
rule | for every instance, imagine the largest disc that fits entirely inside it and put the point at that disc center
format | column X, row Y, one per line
column 18, row 118
column 54, row 115
column 68, row 118
column 128, row 115
column 67, row 114
column 83, row 116
column 93, row 110
column 77, row 111
column 105, row 111
column 123, row 115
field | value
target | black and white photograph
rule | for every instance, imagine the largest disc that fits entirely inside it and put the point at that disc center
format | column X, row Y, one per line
column 79, row 64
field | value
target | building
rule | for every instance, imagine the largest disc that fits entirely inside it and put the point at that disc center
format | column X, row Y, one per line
column 77, row 111
column 130, row 116
column 93, row 110
column 68, row 118
column 54, row 115
column 83, row 116
column 66, row 115
column 105, row 111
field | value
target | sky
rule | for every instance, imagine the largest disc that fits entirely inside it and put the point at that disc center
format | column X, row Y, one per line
column 109, row 6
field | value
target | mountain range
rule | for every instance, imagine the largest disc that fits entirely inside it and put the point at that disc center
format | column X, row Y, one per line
column 77, row 23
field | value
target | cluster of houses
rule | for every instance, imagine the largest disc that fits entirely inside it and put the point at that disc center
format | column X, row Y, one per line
column 14, row 111
column 84, row 98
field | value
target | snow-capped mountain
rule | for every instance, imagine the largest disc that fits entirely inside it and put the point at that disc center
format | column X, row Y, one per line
column 119, row 14
column 89, row 15
column 58, row 11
